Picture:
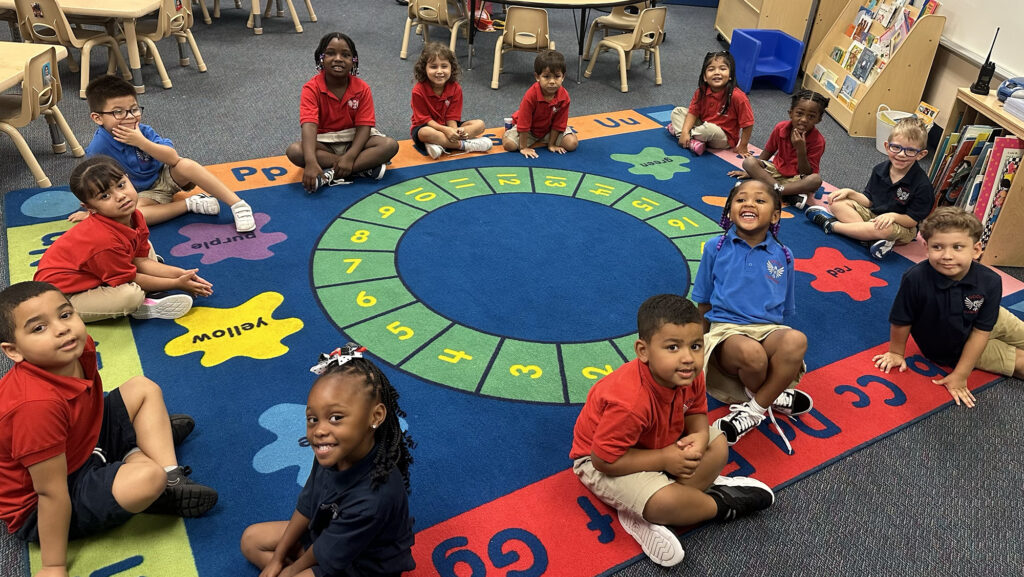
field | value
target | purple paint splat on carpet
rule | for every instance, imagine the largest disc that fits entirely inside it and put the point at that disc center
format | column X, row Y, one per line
column 217, row 242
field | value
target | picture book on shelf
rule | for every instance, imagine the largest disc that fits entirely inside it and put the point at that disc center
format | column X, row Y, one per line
column 1009, row 165
column 849, row 87
column 862, row 25
column 852, row 55
column 864, row 64
column 927, row 112
column 968, row 197
column 1004, row 150
column 819, row 71
column 837, row 55
column 957, row 165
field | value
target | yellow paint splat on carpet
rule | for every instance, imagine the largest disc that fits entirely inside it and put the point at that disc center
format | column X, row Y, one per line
column 248, row 330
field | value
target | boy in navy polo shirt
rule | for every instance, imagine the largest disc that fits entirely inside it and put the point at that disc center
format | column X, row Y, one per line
column 950, row 305
column 897, row 197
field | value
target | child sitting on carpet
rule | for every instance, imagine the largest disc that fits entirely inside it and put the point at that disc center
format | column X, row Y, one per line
column 339, row 141
column 543, row 115
column 105, row 264
column 745, row 287
column 897, row 197
column 719, row 115
column 74, row 462
column 642, row 444
column 437, row 106
column 789, row 161
column 352, row 516
column 950, row 304
column 152, row 164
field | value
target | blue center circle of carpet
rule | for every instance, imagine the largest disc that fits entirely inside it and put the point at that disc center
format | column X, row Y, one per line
column 538, row 267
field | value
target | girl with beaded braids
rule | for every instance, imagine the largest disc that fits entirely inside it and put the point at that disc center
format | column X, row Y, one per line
column 745, row 288
column 352, row 516
column 339, row 141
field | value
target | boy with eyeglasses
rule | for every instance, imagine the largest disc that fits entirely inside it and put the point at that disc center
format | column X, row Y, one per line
column 154, row 167
column 897, row 197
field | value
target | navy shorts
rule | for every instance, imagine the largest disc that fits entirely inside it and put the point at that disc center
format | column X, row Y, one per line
column 417, row 143
column 91, row 486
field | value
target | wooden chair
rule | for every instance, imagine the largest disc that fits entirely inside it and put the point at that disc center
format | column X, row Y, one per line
column 621, row 18
column 426, row 13
column 647, row 36
column 40, row 93
column 525, row 29
column 43, row 22
column 280, row 12
column 173, row 19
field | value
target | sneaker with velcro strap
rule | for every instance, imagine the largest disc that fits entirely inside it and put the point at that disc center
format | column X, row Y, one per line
column 202, row 204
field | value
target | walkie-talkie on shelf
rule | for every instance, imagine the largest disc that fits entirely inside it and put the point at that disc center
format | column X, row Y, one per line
column 981, row 86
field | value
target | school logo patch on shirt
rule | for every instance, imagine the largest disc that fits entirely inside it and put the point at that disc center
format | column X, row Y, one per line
column 353, row 103
column 142, row 156
column 902, row 194
column 972, row 303
column 774, row 270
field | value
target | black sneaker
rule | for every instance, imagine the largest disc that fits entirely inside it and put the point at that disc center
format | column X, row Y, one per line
column 881, row 248
column 798, row 201
column 740, row 421
column 791, row 402
column 183, row 496
column 739, row 496
column 181, row 428
column 376, row 173
column 820, row 216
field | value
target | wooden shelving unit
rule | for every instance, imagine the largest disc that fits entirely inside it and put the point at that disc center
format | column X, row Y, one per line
column 899, row 86
column 790, row 16
column 1004, row 246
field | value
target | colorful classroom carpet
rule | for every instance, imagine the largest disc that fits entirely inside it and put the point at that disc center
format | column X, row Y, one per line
column 494, row 291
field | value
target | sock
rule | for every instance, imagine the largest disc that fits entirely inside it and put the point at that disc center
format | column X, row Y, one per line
column 170, row 468
column 756, row 407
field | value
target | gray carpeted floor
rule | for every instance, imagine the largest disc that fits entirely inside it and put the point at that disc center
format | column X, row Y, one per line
column 939, row 498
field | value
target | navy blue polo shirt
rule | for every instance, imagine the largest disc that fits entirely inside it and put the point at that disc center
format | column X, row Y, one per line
column 942, row 312
column 912, row 195
column 356, row 530
column 745, row 284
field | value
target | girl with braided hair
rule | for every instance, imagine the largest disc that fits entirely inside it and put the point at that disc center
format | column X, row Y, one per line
column 745, row 287
column 352, row 516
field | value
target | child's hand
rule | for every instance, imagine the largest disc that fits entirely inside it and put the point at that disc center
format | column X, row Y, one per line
column 742, row 150
column 557, row 149
column 310, row 174
column 684, row 140
column 836, row 196
column 957, row 387
column 193, row 284
column 78, row 216
column 738, row 174
column 128, row 134
column 528, row 152
column 273, row 569
column 679, row 462
column 461, row 133
column 451, row 134
column 888, row 361
column 343, row 167
column 884, row 221
column 798, row 138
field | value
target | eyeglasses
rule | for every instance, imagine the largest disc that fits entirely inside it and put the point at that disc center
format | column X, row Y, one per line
column 135, row 111
column 906, row 150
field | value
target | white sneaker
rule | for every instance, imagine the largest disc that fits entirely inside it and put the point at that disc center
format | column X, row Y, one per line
column 168, row 307
column 657, row 541
column 244, row 222
column 434, row 150
column 202, row 204
column 480, row 144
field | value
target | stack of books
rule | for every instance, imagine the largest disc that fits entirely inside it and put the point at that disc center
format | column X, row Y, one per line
column 1015, row 106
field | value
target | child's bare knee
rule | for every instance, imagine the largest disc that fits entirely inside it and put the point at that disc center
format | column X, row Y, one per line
column 750, row 357
column 751, row 163
column 812, row 180
column 294, row 154
column 509, row 145
column 794, row 342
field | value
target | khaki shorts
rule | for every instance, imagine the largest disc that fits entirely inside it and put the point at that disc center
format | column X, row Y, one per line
column 1000, row 354
column 338, row 142
column 163, row 190
column 899, row 234
column 707, row 132
column 778, row 175
column 109, row 302
column 627, row 491
column 532, row 140
column 728, row 388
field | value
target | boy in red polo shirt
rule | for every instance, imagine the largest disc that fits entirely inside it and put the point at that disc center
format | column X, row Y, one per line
column 543, row 115
column 74, row 462
column 642, row 442
column 105, row 263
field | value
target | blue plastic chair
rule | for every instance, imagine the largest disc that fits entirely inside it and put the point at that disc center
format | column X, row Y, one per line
column 766, row 53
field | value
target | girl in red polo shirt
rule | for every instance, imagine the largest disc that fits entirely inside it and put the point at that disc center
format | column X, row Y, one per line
column 719, row 115
column 437, row 106
column 339, row 139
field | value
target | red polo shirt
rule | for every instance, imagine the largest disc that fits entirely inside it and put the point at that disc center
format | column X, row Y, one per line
column 538, row 116
column 739, row 115
column 97, row 251
column 427, row 106
column 785, row 154
column 43, row 415
column 322, row 107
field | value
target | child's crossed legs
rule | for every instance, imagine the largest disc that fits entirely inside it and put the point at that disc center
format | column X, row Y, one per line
column 765, row 368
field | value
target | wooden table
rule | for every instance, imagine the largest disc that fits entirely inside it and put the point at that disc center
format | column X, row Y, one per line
column 583, row 5
column 14, row 56
column 125, row 11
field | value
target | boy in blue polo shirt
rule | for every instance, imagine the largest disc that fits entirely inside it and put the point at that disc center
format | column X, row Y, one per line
column 950, row 304
column 897, row 197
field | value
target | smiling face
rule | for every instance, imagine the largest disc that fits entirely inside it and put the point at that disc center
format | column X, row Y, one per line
column 805, row 115
column 49, row 334
column 951, row 253
column 675, row 354
column 337, row 59
column 752, row 210
column 550, row 81
column 717, row 73
column 341, row 417
column 116, row 203
column 909, row 152
column 438, row 72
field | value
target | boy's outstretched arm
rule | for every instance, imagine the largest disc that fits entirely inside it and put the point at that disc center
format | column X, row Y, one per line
column 898, row 335
column 956, row 381
column 50, row 482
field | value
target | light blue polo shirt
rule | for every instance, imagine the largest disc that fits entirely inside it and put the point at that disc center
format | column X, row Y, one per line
column 743, row 284
column 141, row 168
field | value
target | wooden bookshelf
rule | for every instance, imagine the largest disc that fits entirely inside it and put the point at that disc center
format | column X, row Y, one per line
column 899, row 86
column 790, row 16
column 1004, row 248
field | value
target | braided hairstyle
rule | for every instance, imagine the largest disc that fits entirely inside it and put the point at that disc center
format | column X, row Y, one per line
column 702, row 84
column 393, row 444
column 811, row 95
column 318, row 54
column 726, row 223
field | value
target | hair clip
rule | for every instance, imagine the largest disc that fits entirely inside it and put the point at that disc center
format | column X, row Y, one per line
column 338, row 356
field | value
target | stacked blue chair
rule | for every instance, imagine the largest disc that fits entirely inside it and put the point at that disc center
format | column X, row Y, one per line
column 765, row 53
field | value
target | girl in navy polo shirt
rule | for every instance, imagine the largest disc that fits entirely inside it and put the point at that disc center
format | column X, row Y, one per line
column 352, row 517
column 745, row 288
